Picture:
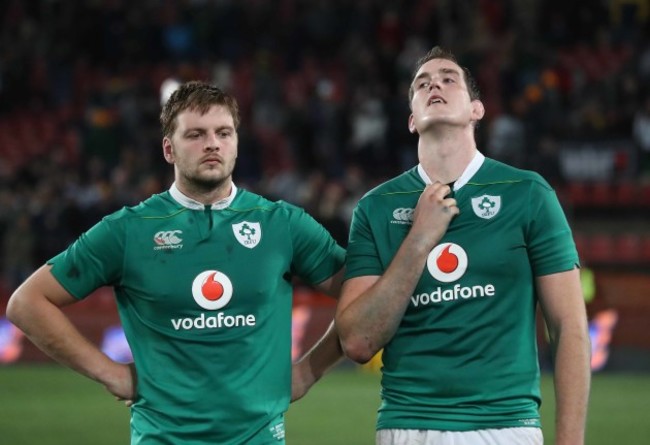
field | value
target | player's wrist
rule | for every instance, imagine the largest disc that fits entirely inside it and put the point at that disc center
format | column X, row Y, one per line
column 420, row 243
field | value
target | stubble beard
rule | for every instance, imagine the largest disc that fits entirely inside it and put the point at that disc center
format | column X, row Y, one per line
column 205, row 184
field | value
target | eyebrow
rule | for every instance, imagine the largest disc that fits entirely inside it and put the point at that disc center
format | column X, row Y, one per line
column 426, row 74
column 450, row 71
column 203, row 129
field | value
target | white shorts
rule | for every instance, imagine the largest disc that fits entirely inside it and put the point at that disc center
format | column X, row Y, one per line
column 497, row 436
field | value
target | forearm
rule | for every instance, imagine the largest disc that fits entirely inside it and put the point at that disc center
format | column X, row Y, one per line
column 51, row 331
column 572, row 376
column 371, row 320
column 323, row 355
column 313, row 365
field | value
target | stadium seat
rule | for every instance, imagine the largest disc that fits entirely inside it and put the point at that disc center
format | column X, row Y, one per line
column 628, row 248
column 578, row 194
column 644, row 251
column 601, row 248
column 644, row 195
column 601, row 195
column 625, row 194
column 581, row 241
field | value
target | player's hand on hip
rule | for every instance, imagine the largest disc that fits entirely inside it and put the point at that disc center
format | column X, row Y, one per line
column 301, row 379
column 122, row 383
column 433, row 213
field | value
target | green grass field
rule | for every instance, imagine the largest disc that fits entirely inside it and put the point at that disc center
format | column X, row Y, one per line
column 49, row 405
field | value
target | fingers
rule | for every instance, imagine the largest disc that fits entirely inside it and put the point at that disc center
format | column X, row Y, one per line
column 127, row 402
column 437, row 190
column 449, row 205
column 433, row 214
column 436, row 194
column 122, row 382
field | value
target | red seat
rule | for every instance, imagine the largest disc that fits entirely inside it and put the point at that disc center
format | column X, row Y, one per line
column 602, row 194
column 628, row 247
column 581, row 241
column 625, row 194
column 644, row 250
column 644, row 195
column 578, row 193
column 601, row 249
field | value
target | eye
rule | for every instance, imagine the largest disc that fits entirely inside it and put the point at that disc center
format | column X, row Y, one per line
column 193, row 135
column 423, row 84
column 449, row 80
column 224, row 134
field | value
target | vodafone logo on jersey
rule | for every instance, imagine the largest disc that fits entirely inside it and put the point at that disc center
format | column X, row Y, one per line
column 447, row 262
column 212, row 290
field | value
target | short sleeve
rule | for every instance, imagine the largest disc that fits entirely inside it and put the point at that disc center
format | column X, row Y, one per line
column 362, row 257
column 316, row 255
column 94, row 260
column 549, row 238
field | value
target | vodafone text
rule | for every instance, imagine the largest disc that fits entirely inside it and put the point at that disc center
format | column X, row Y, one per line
column 439, row 295
column 213, row 321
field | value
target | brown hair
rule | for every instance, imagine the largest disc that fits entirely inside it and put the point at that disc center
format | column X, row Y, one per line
column 440, row 53
column 198, row 96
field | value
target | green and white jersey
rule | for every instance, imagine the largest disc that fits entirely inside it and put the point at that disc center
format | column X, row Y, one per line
column 205, row 296
column 465, row 355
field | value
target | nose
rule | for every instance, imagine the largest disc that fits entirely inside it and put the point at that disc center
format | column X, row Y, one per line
column 435, row 83
column 211, row 142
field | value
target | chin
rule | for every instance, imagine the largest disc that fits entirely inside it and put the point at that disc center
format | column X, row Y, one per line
column 208, row 181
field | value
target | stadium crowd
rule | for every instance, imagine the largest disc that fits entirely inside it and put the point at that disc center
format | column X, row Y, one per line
column 323, row 89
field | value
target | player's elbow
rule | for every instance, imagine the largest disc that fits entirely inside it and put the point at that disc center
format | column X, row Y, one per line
column 15, row 310
column 358, row 349
column 21, row 306
column 358, row 341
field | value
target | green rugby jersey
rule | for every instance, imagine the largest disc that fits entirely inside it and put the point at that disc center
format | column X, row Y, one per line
column 205, row 296
column 465, row 355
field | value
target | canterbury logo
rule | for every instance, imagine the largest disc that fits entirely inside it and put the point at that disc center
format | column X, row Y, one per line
column 402, row 215
column 168, row 239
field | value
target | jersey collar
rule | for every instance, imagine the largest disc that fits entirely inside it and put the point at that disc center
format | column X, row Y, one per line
column 190, row 203
column 470, row 171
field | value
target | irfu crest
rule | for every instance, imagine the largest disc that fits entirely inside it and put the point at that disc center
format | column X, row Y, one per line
column 247, row 233
column 486, row 206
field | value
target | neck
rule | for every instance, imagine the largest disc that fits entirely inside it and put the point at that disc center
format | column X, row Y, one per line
column 445, row 155
column 205, row 193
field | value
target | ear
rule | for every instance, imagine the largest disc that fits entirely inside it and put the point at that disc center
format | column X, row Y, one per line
column 168, row 151
column 478, row 110
column 411, row 124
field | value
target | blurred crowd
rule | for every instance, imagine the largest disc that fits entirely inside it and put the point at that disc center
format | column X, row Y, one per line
column 322, row 87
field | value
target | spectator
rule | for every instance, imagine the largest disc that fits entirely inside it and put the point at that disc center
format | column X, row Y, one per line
column 18, row 246
column 641, row 132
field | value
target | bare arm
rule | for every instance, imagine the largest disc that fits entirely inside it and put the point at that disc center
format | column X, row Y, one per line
column 324, row 354
column 371, row 307
column 563, row 306
column 315, row 363
column 332, row 286
column 35, row 308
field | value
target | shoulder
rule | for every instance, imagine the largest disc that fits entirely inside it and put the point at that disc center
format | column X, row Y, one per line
column 495, row 172
column 408, row 183
column 160, row 205
column 249, row 202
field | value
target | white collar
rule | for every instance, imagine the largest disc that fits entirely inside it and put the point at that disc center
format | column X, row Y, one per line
column 190, row 203
column 464, row 178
